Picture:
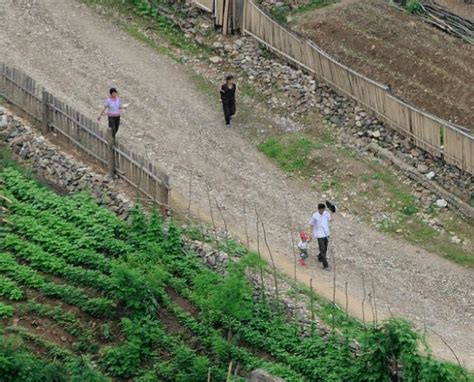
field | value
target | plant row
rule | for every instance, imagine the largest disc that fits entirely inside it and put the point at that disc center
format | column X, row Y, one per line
column 45, row 262
column 24, row 275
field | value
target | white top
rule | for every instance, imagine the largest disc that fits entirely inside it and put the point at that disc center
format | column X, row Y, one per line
column 320, row 223
column 303, row 245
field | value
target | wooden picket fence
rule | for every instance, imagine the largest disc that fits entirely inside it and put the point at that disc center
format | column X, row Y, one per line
column 84, row 134
column 439, row 137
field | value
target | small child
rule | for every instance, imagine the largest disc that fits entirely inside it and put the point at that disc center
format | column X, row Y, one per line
column 303, row 247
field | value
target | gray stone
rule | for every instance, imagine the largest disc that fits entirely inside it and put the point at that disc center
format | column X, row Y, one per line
column 422, row 168
column 455, row 240
column 3, row 121
column 441, row 203
column 430, row 175
column 215, row 59
column 260, row 375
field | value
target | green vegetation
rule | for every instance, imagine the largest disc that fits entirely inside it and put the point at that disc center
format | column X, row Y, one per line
column 161, row 314
column 150, row 17
column 414, row 7
column 290, row 153
column 283, row 13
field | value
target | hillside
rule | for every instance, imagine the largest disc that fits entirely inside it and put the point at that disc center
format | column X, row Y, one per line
column 85, row 296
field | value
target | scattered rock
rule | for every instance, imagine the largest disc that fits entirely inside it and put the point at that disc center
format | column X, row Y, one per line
column 422, row 168
column 3, row 121
column 62, row 169
column 260, row 375
column 215, row 59
column 217, row 45
column 441, row 203
column 430, row 175
column 455, row 240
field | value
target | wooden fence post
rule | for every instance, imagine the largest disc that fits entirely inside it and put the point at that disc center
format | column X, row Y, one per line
column 45, row 114
column 164, row 194
column 111, row 156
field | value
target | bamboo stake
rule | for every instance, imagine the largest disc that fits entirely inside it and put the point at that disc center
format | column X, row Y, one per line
column 259, row 254
column 311, row 304
column 246, row 229
column 190, row 192
column 209, row 375
column 375, row 301
column 363, row 301
column 334, row 282
column 347, row 300
column 210, row 207
column 236, row 372
column 291, row 236
column 275, row 278
column 293, row 246
column 334, row 295
column 212, row 215
column 229, row 371
column 219, row 209
column 452, row 351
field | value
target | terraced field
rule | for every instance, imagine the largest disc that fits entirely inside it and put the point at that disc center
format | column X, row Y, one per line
column 421, row 64
column 85, row 296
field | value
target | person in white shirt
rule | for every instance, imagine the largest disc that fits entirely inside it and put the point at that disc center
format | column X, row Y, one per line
column 319, row 225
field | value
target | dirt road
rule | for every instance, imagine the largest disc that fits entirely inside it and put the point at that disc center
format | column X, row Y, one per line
column 79, row 55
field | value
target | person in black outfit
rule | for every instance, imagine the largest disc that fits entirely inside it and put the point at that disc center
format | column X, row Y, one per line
column 228, row 99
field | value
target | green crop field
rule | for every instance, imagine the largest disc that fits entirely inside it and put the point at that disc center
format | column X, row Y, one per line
column 85, row 296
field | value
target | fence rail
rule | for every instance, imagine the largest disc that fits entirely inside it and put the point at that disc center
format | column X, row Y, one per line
column 435, row 135
column 74, row 128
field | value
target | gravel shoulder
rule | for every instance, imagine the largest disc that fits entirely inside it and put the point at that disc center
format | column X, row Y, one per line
column 79, row 55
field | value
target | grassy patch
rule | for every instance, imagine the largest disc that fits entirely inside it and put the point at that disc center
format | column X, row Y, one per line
column 283, row 13
column 291, row 154
column 150, row 18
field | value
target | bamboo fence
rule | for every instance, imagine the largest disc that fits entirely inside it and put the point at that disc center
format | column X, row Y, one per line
column 439, row 137
column 84, row 134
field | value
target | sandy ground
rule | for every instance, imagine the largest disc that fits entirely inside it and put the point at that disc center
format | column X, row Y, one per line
column 79, row 55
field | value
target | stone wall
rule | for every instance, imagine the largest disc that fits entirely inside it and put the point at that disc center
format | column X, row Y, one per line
column 50, row 163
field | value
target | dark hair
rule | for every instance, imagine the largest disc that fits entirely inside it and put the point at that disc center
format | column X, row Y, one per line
column 113, row 90
column 229, row 77
column 321, row 206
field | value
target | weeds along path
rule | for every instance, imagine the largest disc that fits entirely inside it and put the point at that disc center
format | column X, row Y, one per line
column 78, row 56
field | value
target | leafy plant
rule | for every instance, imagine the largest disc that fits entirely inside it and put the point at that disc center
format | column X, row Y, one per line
column 414, row 7
column 5, row 310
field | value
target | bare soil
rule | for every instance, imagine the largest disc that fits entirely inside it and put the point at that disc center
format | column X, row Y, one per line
column 459, row 7
column 421, row 64
column 78, row 55
column 45, row 328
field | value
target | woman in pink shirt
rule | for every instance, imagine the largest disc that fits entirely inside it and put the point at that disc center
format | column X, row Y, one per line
column 113, row 105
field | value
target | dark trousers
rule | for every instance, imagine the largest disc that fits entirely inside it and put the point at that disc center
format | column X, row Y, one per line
column 229, row 111
column 323, row 249
column 114, row 123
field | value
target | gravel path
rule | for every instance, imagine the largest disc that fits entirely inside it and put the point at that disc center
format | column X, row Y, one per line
column 78, row 56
